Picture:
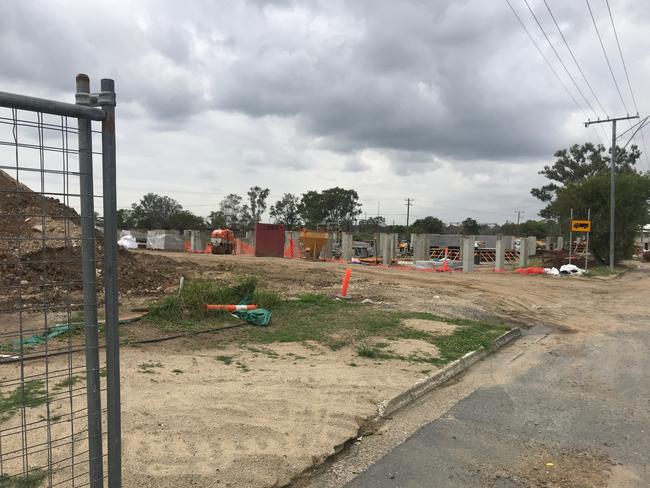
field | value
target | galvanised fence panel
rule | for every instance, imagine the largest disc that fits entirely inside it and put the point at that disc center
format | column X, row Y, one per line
column 59, row 391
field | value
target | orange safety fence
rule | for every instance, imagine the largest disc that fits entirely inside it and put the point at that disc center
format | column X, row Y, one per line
column 187, row 247
column 244, row 248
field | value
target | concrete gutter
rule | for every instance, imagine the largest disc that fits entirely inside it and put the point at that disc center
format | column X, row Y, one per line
column 388, row 407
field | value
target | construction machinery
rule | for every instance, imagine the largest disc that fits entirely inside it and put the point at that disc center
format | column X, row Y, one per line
column 223, row 241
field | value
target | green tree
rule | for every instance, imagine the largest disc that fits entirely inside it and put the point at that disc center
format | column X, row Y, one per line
column 257, row 198
column 232, row 210
column 428, row 225
column 154, row 211
column 578, row 163
column 469, row 226
column 285, row 211
column 216, row 220
column 334, row 206
column 371, row 225
column 632, row 197
column 184, row 219
column 125, row 218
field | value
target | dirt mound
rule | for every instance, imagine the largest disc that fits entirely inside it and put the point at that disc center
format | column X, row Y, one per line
column 40, row 242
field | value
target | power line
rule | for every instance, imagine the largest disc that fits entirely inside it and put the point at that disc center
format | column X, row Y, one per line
column 545, row 58
column 609, row 65
column 620, row 51
column 627, row 77
column 557, row 26
column 557, row 55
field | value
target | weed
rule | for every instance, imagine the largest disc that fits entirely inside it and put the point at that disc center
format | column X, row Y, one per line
column 225, row 359
column 102, row 372
column 185, row 311
column 149, row 367
column 68, row 383
column 354, row 365
column 372, row 352
column 177, row 371
column 32, row 394
column 425, row 371
column 33, row 479
column 243, row 367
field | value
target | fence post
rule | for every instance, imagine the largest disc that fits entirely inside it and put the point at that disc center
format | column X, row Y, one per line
column 113, row 403
column 90, row 293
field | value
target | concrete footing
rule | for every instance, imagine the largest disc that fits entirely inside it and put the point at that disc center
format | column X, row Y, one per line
column 560, row 242
column 346, row 246
column 467, row 253
column 500, row 258
column 387, row 247
column 523, row 252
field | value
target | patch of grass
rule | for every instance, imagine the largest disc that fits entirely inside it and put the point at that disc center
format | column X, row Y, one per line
column 602, row 270
column 31, row 395
column 243, row 367
column 177, row 371
column 102, row 372
column 33, row 479
column 225, row 359
column 185, row 311
column 68, row 383
column 148, row 368
column 425, row 371
column 371, row 352
column 353, row 365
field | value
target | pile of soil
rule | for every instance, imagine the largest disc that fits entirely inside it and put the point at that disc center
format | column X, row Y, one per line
column 31, row 252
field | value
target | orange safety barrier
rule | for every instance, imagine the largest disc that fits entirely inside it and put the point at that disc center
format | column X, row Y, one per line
column 229, row 308
column 346, row 282
column 244, row 248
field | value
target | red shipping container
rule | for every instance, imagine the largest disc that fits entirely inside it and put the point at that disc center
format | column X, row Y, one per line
column 269, row 240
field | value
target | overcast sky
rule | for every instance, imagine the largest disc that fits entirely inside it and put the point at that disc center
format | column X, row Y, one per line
column 443, row 101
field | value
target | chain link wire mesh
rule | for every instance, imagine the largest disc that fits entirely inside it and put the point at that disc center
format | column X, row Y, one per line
column 44, row 409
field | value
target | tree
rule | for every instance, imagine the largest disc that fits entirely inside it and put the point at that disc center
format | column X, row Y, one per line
column 371, row 224
column 125, row 218
column 632, row 197
column 216, row 220
column 334, row 206
column 184, row 219
column 285, row 211
column 232, row 210
column 428, row 225
column 154, row 211
column 578, row 163
column 470, row 226
column 257, row 197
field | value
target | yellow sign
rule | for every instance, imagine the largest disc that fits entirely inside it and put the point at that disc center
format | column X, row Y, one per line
column 581, row 226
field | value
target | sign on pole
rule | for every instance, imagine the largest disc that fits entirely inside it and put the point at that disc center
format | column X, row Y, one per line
column 580, row 225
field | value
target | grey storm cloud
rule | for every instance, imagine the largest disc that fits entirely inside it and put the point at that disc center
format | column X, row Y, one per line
column 254, row 86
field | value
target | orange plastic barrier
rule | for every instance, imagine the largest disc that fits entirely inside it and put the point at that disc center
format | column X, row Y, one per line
column 346, row 282
column 229, row 308
column 530, row 271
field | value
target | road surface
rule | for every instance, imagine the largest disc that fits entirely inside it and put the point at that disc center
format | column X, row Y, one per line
column 556, row 409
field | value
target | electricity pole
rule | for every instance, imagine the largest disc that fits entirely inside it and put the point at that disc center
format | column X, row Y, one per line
column 612, row 192
column 519, row 214
column 409, row 202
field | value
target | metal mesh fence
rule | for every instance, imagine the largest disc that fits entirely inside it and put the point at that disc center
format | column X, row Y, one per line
column 52, row 426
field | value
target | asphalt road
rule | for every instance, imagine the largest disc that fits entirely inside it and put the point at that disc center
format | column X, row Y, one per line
column 580, row 417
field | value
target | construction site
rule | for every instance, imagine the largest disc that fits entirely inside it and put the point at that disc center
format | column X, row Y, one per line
column 244, row 399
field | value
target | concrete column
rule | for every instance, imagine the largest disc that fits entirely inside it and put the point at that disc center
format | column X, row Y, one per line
column 523, row 252
column 467, row 251
column 420, row 247
column 547, row 243
column 560, row 242
column 326, row 253
column 532, row 245
column 499, row 261
column 346, row 246
column 387, row 246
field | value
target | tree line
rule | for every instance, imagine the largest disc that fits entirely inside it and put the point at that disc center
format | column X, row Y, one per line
column 578, row 180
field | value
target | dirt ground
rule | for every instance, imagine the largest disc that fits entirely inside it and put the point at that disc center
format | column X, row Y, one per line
column 197, row 412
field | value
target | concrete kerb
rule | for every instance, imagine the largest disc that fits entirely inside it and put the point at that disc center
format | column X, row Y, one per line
column 388, row 407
